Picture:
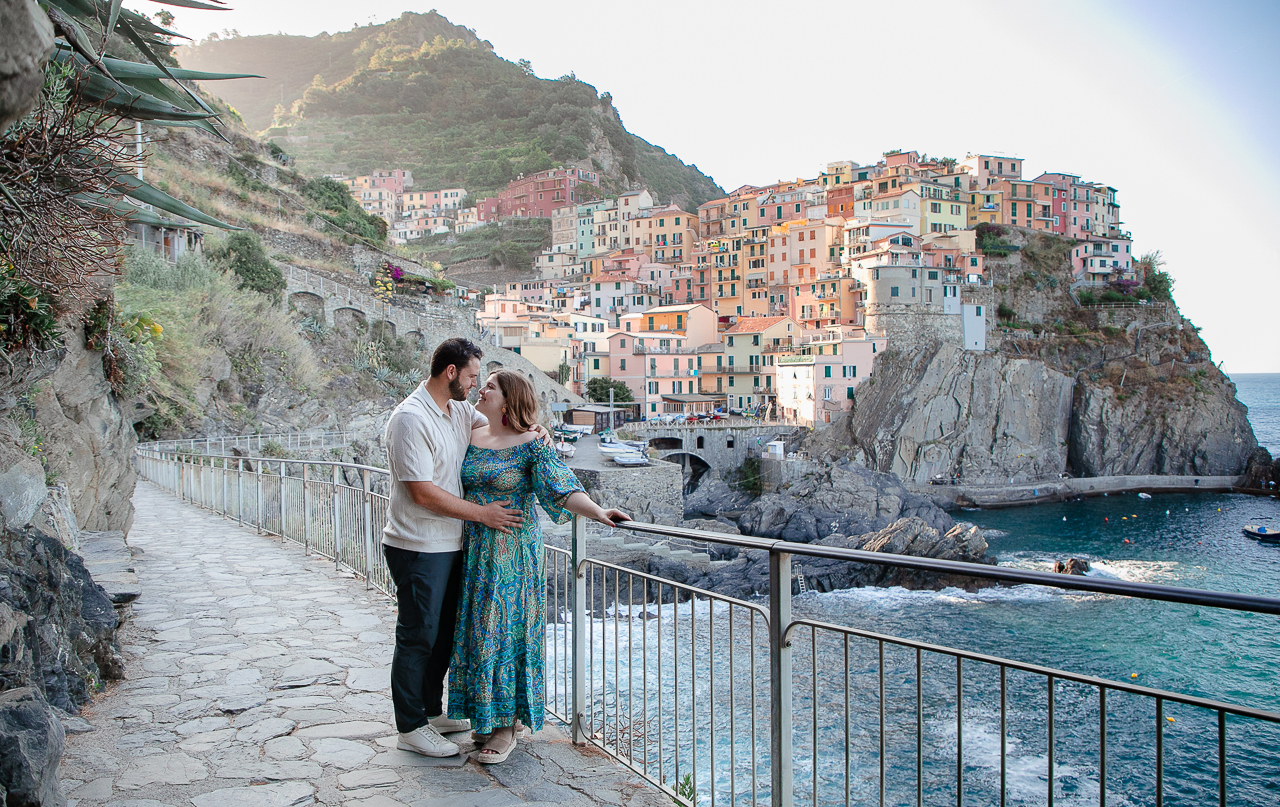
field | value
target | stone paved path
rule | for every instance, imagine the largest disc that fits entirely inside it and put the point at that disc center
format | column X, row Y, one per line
column 259, row 677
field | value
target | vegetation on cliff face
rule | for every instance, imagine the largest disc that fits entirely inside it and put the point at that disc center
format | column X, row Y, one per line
column 422, row 93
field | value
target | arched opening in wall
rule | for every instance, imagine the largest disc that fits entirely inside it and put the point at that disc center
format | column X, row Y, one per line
column 351, row 320
column 383, row 329
column 702, row 442
column 312, row 305
column 695, row 469
column 417, row 339
column 666, row 443
column 493, row 367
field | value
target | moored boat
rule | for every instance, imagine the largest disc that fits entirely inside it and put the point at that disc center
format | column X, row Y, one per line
column 1261, row 533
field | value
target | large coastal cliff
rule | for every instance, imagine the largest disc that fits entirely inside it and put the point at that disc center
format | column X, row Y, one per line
column 1083, row 390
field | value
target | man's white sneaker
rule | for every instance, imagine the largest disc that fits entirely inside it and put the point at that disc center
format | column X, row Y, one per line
column 428, row 742
column 447, row 725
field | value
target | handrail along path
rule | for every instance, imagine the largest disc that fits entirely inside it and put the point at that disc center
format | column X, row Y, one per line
column 697, row 691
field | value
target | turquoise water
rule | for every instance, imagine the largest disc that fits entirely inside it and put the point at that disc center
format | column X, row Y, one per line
column 1182, row 540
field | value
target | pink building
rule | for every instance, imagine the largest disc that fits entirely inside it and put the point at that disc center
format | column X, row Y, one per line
column 537, row 195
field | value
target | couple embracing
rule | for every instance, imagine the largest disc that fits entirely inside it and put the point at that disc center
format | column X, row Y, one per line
column 464, row 549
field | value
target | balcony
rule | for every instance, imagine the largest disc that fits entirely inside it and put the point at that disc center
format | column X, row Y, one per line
column 766, row 390
column 785, row 347
column 660, row 350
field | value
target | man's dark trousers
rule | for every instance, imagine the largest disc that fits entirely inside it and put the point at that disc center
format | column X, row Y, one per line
column 428, row 585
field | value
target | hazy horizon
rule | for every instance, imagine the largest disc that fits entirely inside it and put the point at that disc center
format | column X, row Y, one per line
column 1135, row 94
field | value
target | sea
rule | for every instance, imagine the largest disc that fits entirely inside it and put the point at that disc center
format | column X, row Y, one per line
column 1188, row 540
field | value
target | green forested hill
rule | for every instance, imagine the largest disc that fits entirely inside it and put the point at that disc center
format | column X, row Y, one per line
column 424, row 94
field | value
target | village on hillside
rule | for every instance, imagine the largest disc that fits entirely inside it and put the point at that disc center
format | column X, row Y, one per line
column 774, row 300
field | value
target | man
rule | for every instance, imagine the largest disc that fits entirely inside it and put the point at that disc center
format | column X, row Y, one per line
column 427, row 438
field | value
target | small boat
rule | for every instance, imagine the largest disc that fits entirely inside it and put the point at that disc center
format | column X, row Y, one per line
column 1264, row 534
column 1144, row 495
column 617, row 448
column 631, row 460
column 565, row 449
column 566, row 437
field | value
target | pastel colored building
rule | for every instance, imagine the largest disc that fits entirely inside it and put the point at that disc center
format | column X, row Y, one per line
column 537, row 195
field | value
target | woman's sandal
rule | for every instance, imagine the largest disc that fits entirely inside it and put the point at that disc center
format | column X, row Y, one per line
column 483, row 737
column 495, row 756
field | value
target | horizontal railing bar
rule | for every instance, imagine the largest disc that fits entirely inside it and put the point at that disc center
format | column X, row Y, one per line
column 1063, row 675
column 273, row 460
column 666, row 581
column 1003, row 574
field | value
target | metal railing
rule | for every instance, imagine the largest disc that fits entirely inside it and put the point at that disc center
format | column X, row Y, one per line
column 256, row 442
column 718, row 699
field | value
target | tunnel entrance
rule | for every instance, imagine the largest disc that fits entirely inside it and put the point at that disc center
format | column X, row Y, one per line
column 695, row 469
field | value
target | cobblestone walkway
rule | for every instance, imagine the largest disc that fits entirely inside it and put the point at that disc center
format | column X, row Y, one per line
column 258, row 677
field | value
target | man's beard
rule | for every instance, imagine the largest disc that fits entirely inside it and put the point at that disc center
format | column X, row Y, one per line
column 456, row 390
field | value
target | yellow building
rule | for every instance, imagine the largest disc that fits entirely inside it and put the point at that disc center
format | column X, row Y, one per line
column 985, row 206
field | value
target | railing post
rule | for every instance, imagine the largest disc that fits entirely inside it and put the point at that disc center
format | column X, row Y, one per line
column 337, row 523
column 579, row 556
column 306, row 509
column 780, row 678
column 368, row 529
column 282, row 469
column 240, row 491
column 258, row 482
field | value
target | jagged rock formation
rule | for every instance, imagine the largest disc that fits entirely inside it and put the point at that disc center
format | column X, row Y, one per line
column 1099, row 392
column 957, row 412
column 1115, row 434
column 748, row 574
column 840, row 498
column 27, row 43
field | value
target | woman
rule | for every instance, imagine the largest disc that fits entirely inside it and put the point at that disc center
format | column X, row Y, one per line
column 497, row 672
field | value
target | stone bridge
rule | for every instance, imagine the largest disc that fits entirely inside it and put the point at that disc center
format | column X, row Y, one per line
column 336, row 303
column 339, row 303
column 700, row 447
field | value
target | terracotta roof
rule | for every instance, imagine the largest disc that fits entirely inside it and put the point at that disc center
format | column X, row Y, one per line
column 754, row 324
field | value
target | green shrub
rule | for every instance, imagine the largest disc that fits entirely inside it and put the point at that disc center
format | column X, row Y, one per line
column 1006, row 312
column 143, row 267
column 1160, row 284
column 28, row 317
column 243, row 254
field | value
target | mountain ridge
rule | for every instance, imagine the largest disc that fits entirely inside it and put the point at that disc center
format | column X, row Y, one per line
column 422, row 93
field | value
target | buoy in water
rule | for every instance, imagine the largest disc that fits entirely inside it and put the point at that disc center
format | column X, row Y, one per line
column 1064, row 518
column 1124, row 518
column 1134, row 675
column 1126, row 540
column 1106, row 519
column 1171, row 720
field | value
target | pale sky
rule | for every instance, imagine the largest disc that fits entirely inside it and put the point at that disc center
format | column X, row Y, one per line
column 1173, row 103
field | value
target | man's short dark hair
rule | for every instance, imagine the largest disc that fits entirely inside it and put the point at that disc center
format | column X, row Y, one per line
column 456, row 351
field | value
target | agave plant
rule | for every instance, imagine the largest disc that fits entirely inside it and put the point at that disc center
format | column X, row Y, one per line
column 68, row 186
column 384, row 376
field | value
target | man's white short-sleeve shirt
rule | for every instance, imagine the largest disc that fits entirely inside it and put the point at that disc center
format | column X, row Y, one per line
column 426, row 444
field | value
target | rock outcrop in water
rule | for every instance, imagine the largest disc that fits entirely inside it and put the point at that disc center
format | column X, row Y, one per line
column 748, row 574
column 839, row 498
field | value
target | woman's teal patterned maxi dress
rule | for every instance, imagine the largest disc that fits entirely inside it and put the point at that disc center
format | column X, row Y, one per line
column 497, row 670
